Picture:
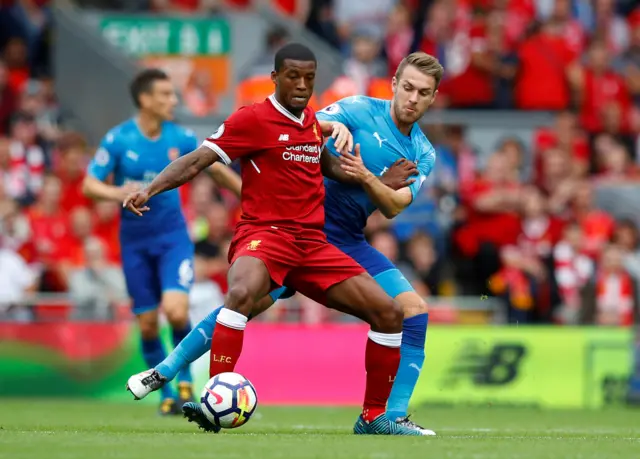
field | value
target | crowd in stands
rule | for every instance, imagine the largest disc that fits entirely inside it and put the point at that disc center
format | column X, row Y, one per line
column 519, row 223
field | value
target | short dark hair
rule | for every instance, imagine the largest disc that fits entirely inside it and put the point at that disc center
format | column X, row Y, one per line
column 295, row 52
column 143, row 82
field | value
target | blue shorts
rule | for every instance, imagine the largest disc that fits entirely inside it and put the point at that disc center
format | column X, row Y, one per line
column 377, row 265
column 161, row 264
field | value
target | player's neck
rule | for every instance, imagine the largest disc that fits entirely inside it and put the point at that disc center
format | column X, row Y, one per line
column 402, row 127
column 297, row 112
column 149, row 125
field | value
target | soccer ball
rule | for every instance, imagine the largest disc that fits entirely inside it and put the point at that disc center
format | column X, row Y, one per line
column 228, row 400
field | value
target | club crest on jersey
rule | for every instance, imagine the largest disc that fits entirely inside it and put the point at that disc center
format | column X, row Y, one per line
column 173, row 154
column 315, row 132
column 253, row 245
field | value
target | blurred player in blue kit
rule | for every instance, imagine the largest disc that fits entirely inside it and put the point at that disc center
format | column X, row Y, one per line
column 386, row 133
column 157, row 252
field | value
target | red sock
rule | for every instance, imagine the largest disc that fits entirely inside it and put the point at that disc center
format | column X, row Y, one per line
column 226, row 346
column 381, row 363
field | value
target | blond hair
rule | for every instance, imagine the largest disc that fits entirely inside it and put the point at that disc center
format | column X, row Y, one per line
column 425, row 63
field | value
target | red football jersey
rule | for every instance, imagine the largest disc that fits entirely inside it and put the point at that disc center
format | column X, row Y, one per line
column 282, row 183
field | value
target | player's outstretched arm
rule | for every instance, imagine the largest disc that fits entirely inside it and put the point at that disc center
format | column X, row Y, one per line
column 96, row 189
column 175, row 174
column 226, row 178
column 182, row 170
column 389, row 201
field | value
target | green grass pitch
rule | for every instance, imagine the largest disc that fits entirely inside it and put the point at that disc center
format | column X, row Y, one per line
column 56, row 429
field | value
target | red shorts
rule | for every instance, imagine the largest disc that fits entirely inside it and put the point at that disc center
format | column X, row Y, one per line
column 307, row 264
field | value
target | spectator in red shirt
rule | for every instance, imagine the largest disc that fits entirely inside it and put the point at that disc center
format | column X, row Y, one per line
column 70, row 251
column 610, row 298
column 27, row 158
column 629, row 63
column 610, row 26
column 71, row 156
column 16, row 59
column 490, row 202
column 399, row 36
column 573, row 32
column 106, row 226
column 470, row 80
column 618, row 167
column 545, row 60
column 597, row 225
column 49, row 228
column 524, row 280
column 600, row 91
column 8, row 99
column 558, row 181
column 565, row 135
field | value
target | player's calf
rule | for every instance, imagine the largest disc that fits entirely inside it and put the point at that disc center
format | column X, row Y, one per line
column 412, row 355
column 175, row 305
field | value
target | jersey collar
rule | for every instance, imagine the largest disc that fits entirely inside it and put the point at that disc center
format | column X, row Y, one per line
column 278, row 106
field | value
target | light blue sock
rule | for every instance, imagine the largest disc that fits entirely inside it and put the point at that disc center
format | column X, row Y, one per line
column 184, row 374
column 153, row 352
column 192, row 346
column 414, row 335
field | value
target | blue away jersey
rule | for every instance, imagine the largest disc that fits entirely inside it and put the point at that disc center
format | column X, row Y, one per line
column 347, row 207
column 134, row 158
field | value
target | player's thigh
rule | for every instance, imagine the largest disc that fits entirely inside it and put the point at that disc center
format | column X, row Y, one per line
column 175, row 270
column 249, row 283
column 143, row 284
column 398, row 287
column 332, row 278
column 260, row 260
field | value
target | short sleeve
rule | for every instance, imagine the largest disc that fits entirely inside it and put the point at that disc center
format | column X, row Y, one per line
column 105, row 158
column 343, row 111
column 426, row 161
column 236, row 137
column 189, row 142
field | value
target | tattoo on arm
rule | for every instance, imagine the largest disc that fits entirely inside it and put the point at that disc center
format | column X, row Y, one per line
column 183, row 170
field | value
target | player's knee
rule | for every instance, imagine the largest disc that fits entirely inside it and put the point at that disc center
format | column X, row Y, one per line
column 177, row 317
column 388, row 319
column 148, row 328
column 239, row 299
column 412, row 304
column 414, row 308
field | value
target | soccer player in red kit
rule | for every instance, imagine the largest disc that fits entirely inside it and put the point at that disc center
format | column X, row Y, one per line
column 279, row 239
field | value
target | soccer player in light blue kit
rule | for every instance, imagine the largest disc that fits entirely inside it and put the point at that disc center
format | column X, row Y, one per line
column 387, row 132
column 157, row 251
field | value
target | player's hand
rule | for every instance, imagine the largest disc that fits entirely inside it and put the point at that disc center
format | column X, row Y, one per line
column 398, row 175
column 353, row 166
column 135, row 202
column 126, row 190
column 343, row 139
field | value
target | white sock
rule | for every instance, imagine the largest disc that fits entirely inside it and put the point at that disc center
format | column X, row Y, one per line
column 386, row 339
column 232, row 319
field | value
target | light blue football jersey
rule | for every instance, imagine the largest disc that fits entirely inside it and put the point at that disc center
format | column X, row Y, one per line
column 348, row 207
column 132, row 157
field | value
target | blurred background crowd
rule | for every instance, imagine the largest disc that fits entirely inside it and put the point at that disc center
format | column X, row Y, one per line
column 519, row 223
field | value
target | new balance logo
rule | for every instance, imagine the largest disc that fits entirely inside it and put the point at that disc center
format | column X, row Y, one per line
column 379, row 139
column 283, row 138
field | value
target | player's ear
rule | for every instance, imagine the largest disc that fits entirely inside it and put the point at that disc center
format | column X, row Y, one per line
column 274, row 76
column 394, row 84
column 433, row 98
